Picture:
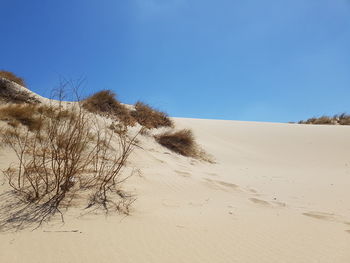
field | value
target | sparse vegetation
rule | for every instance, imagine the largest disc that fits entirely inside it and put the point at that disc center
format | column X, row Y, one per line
column 61, row 151
column 341, row 119
column 65, row 153
column 11, row 76
column 150, row 117
column 25, row 114
column 181, row 142
column 105, row 102
column 9, row 93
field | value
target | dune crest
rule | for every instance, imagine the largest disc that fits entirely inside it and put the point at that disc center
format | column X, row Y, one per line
column 256, row 203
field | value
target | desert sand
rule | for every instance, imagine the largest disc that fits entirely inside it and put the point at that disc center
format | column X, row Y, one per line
column 276, row 193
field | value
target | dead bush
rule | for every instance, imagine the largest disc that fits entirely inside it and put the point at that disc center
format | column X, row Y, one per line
column 105, row 102
column 107, row 167
column 181, row 142
column 150, row 117
column 11, row 76
column 68, row 153
column 49, row 157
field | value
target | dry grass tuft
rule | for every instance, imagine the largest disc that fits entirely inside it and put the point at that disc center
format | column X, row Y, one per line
column 150, row 117
column 31, row 115
column 181, row 142
column 323, row 120
column 341, row 119
column 10, row 93
column 11, row 76
column 24, row 114
column 105, row 102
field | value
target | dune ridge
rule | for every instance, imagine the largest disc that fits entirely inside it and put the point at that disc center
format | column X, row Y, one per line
column 276, row 193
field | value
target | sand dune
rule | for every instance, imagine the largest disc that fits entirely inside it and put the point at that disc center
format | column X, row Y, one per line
column 276, row 193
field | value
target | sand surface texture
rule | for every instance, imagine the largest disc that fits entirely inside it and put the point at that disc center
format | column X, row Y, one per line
column 277, row 193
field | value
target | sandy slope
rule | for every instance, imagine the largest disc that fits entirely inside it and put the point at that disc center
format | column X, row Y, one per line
column 277, row 193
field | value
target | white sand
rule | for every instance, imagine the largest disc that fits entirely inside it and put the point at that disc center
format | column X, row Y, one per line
column 278, row 193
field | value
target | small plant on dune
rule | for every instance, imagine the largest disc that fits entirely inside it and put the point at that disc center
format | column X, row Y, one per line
column 181, row 142
column 105, row 102
column 11, row 93
column 11, row 76
column 25, row 114
column 150, row 117
column 323, row 120
column 69, row 152
column 341, row 119
column 107, row 167
column 49, row 156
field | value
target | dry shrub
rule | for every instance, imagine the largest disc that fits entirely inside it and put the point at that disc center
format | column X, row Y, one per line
column 24, row 114
column 105, row 102
column 10, row 93
column 106, row 168
column 308, row 121
column 49, row 157
column 70, row 152
column 341, row 119
column 11, row 76
column 181, row 142
column 30, row 115
column 145, row 132
column 150, row 117
column 323, row 120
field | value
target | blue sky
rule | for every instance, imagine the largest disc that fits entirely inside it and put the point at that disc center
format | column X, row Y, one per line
column 251, row 60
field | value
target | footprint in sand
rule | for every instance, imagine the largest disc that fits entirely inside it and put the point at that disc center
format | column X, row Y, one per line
column 193, row 162
column 280, row 204
column 184, row 174
column 319, row 215
column 158, row 160
column 260, row 202
column 230, row 185
column 220, row 185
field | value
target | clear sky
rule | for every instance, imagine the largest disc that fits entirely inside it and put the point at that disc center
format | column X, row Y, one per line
column 252, row 60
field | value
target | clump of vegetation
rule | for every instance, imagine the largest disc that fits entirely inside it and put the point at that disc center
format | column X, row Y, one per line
column 341, row 119
column 10, row 93
column 105, row 102
column 25, row 114
column 30, row 115
column 61, row 152
column 64, row 153
column 150, row 117
column 181, row 142
column 11, row 76
column 320, row 120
